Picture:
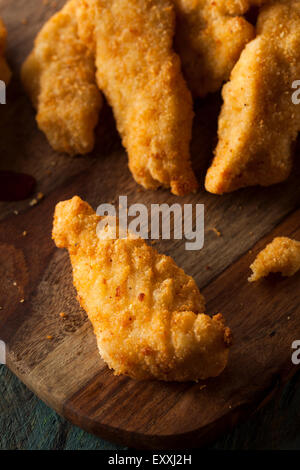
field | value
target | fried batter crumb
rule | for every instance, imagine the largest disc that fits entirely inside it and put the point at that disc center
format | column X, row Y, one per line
column 281, row 255
column 36, row 199
column 239, row 7
column 216, row 231
column 33, row 202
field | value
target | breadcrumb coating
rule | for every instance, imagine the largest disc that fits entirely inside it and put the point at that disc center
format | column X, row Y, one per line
column 5, row 72
column 146, row 312
column 141, row 77
column 259, row 123
column 281, row 255
column 59, row 76
column 239, row 7
column 209, row 43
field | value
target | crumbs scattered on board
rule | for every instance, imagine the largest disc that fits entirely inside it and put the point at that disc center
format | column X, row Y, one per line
column 216, row 231
column 35, row 200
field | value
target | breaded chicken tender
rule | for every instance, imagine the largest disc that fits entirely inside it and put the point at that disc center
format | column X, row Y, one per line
column 59, row 76
column 282, row 255
column 259, row 123
column 239, row 7
column 209, row 43
column 141, row 77
column 5, row 73
column 146, row 312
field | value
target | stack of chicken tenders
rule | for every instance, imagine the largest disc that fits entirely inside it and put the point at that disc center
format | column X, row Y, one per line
column 150, row 59
column 126, row 49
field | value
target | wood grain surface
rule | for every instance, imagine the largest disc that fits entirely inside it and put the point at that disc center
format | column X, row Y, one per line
column 66, row 372
column 27, row 423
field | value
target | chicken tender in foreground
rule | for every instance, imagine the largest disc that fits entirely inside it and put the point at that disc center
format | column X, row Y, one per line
column 5, row 73
column 140, row 75
column 282, row 255
column 59, row 76
column 239, row 7
column 259, row 123
column 146, row 312
column 209, row 43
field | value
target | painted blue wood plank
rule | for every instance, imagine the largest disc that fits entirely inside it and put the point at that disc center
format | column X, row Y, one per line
column 27, row 423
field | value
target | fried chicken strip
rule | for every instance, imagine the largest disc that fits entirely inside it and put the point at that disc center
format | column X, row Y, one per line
column 141, row 77
column 259, row 123
column 146, row 312
column 282, row 255
column 59, row 76
column 209, row 43
column 5, row 73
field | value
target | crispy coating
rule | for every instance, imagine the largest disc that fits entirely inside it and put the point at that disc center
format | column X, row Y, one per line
column 141, row 77
column 239, row 7
column 5, row 73
column 259, row 123
column 59, row 76
column 146, row 312
column 209, row 43
column 282, row 255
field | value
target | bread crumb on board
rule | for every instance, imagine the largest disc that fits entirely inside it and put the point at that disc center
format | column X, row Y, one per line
column 282, row 255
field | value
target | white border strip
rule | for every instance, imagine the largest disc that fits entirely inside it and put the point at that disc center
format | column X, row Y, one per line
column 2, row 352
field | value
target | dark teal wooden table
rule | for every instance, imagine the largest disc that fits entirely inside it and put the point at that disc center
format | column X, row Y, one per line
column 27, row 423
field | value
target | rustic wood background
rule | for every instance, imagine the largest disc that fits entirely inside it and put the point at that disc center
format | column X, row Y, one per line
column 263, row 317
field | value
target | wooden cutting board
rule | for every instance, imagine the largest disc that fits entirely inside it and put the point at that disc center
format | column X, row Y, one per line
column 67, row 372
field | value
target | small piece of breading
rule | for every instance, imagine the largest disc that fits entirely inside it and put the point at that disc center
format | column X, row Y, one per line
column 146, row 312
column 239, row 7
column 141, row 77
column 281, row 255
column 209, row 43
column 59, row 76
column 5, row 73
column 259, row 123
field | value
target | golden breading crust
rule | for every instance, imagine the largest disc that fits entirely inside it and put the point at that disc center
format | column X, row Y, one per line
column 146, row 312
column 140, row 75
column 259, row 122
column 209, row 43
column 59, row 76
column 239, row 7
column 282, row 255
column 5, row 73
